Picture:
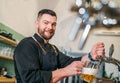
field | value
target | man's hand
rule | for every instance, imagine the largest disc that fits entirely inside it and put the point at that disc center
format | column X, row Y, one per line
column 98, row 50
column 74, row 68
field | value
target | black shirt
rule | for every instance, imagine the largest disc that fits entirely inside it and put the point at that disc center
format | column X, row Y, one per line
column 32, row 65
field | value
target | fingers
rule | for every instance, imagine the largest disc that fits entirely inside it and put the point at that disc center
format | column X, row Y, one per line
column 98, row 50
column 100, row 44
column 76, row 67
column 80, row 66
column 100, row 53
column 77, row 71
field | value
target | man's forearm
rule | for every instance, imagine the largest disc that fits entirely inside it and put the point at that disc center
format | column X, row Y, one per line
column 58, row 75
column 70, row 70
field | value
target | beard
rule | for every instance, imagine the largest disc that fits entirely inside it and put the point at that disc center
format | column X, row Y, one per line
column 42, row 33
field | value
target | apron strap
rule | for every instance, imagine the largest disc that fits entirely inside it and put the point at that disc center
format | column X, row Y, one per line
column 44, row 52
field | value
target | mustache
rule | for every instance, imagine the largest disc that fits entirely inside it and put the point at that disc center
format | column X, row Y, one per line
column 51, row 31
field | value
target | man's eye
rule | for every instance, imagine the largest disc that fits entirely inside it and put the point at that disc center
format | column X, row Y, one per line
column 46, row 23
column 54, row 24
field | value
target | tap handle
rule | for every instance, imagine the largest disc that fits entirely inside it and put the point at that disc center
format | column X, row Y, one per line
column 111, row 50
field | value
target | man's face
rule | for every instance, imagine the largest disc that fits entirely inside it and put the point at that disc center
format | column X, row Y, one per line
column 46, row 25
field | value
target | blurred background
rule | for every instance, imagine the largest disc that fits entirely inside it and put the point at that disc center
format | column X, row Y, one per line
column 81, row 23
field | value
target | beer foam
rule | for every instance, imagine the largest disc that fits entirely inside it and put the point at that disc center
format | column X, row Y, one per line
column 90, row 71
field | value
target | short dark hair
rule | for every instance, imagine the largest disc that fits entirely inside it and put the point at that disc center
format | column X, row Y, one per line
column 46, row 11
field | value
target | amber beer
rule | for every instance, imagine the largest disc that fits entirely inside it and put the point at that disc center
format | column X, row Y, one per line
column 88, row 74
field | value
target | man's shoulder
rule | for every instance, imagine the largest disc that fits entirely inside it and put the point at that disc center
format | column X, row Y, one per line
column 26, row 41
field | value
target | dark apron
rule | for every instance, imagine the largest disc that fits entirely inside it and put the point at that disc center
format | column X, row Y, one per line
column 49, row 61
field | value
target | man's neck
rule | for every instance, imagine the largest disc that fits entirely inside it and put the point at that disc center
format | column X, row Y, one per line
column 45, row 41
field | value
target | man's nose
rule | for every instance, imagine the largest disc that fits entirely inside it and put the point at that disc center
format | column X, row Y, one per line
column 50, row 26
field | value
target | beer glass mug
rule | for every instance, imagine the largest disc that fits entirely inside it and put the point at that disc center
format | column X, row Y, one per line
column 89, row 71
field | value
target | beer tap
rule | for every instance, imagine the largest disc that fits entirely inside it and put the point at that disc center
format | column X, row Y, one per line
column 112, row 60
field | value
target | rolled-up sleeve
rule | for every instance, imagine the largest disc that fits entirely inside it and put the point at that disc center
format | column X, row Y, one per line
column 64, row 60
